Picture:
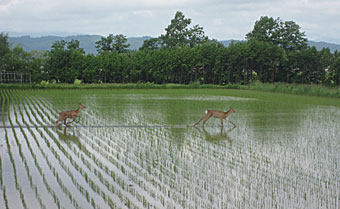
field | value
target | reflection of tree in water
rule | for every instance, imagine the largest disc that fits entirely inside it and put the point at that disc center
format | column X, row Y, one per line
column 277, row 112
column 216, row 136
column 67, row 136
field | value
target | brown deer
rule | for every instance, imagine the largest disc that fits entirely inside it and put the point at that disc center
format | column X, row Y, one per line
column 217, row 114
column 69, row 114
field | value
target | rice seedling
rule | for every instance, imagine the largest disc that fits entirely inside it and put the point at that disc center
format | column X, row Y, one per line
column 91, row 182
column 32, row 185
column 17, row 186
column 278, row 156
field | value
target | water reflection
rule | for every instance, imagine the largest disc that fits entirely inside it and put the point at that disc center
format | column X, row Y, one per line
column 67, row 136
column 212, row 136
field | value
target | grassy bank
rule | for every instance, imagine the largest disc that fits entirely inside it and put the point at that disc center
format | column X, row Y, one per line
column 301, row 89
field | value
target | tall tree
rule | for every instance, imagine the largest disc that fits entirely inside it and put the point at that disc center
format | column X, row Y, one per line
column 266, row 29
column 151, row 44
column 283, row 34
column 4, row 49
column 178, row 33
column 65, row 61
column 112, row 43
column 120, row 44
column 105, row 44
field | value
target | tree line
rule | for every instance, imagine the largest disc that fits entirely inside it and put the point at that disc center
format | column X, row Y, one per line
column 274, row 51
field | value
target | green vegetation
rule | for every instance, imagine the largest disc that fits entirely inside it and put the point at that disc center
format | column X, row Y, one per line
column 300, row 89
column 274, row 51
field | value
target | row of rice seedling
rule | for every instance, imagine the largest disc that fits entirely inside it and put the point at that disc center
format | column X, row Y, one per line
column 64, row 161
column 3, row 187
column 36, row 159
column 17, row 185
column 104, row 136
column 53, row 170
column 155, row 167
column 39, row 170
column 21, row 152
column 99, row 163
column 237, row 168
column 160, row 165
column 96, row 186
column 248, row 167
column 132, row 167
column 278, row 179
column 244, row 158
column 101, row 147
column 123, row 174
column 106, row 141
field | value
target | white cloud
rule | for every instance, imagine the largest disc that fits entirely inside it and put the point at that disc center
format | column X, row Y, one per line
column 221, row 19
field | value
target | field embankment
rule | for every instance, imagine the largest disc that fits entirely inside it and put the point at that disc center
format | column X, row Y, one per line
column 300, row 89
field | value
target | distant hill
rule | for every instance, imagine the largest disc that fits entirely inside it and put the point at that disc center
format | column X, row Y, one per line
column 320, row 45
column 87, row 42
column 227, row 42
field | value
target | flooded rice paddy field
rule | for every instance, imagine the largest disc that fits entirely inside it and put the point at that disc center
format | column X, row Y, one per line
column 136, row 149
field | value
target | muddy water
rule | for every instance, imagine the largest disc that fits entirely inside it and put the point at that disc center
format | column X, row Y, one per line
column 136, row 148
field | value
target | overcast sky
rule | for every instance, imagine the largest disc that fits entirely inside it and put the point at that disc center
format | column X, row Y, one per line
column 221, row 19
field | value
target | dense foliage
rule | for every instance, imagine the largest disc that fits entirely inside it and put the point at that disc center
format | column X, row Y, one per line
column 275, row 51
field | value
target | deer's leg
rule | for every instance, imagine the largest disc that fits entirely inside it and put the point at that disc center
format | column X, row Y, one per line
column 221, row 122
column 198, row 121
column 59, row 119
column 75, row 119
column 207, row 116
column 56, row 123
column 71, row 121
column 230, row 122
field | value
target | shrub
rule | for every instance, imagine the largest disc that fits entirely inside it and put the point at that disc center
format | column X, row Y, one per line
column 77, row 81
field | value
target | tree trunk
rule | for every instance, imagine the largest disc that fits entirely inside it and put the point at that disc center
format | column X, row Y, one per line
column 273, row 75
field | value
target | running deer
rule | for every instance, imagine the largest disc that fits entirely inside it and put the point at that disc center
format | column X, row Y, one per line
column 69, row 114
column 217, row 114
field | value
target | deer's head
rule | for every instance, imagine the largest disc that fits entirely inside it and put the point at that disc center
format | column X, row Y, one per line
column 231, row 110
column 81, row 106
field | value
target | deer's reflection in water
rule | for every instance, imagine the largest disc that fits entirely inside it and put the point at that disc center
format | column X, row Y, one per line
column 213, row 136
column 68, row 136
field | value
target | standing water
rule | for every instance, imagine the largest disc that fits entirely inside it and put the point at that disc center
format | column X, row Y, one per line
column 137, row 149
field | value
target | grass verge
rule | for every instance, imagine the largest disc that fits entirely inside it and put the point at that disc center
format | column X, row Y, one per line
column 301, row 89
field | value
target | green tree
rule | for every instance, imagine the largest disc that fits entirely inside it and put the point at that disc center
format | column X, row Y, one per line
column 290, row 36
column 266, row 29
column 65, row 61
column 105, row 44
column 91, row 72
column 335, row 71
column 151, row 44
column 120, row 44
column 4, row 50
column 112, row 43
column 17, row 60
column 284, row 35
column 38, row 65
column 178, row 33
